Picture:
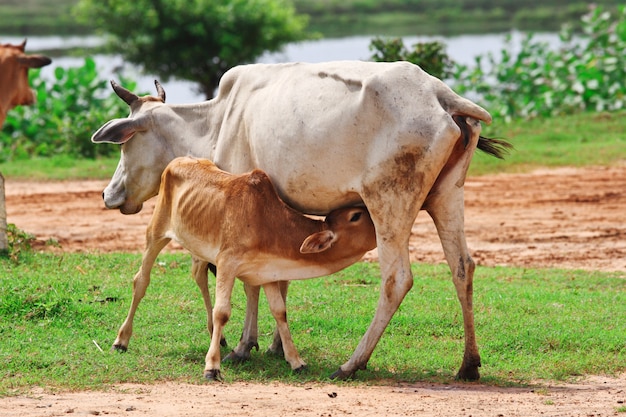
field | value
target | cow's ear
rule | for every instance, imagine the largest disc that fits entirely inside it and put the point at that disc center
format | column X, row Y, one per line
column 34, row 61
column 318, row 242
column 118, row 131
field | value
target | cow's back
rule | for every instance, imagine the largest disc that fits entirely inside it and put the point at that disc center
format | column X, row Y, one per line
column 317, row 128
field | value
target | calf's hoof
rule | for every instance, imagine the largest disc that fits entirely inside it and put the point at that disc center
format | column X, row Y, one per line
column 223, row 342
column 119, row 348
column 213, row 375
column 300, row 369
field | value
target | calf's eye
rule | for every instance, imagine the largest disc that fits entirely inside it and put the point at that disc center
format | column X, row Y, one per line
column 355, row 217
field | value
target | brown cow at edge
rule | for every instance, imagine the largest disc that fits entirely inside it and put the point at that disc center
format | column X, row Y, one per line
column 14, row 91
column 14, row 66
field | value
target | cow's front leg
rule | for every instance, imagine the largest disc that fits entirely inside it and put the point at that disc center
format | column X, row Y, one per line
column 397, row 280
column 250, row 334
column 393, row 230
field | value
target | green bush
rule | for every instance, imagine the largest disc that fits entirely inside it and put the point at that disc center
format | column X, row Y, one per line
column 430, row 56
column 587, row 73
column 67, row 112
column 19, row 243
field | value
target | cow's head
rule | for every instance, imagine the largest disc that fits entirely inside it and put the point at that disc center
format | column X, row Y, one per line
column 14, row 65
column 143, row 158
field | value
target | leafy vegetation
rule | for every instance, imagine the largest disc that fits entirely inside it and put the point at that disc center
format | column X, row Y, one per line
column 586, row 74
column 56, row 311
column 194, row 40
column 66, row 114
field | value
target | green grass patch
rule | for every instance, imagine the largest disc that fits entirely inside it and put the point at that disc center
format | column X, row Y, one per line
column 579, row 140
column 531, row 324
column 60, row 167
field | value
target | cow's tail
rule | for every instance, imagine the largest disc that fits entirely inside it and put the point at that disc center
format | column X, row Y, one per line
column 494, row 147
column 459, row 106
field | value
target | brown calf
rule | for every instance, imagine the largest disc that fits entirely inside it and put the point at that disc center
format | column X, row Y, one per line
column 239, row 223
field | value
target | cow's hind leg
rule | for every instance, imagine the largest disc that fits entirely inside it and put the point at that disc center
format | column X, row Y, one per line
column 140, row 284
column 446, row 209
column 200, row 273
column 276, row 301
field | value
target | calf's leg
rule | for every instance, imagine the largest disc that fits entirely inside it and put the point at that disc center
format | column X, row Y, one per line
column 225, row 280
column 274, row 294
column 140, row 284
column 200, row 273
column 276, row 347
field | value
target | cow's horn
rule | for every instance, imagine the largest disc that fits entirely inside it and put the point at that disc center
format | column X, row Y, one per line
column 160, row 90
column 128, row 97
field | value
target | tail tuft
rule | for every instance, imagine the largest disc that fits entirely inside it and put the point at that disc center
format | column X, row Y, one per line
column 495, row 147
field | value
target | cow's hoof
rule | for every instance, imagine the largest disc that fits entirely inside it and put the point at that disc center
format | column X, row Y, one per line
column 119, row 348
column 213, row 375
column 252, row 345
column 469, row 370
column 468, row 374
column 340, row 375
column 275, row 351
column 234, row 357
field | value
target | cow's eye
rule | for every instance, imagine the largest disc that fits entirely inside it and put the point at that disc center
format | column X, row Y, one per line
column 355, row 217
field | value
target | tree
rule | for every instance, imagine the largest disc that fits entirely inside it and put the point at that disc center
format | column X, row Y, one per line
column 431, row 56
column 196, row 40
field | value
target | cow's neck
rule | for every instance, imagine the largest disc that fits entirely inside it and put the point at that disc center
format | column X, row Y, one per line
column 195, row 136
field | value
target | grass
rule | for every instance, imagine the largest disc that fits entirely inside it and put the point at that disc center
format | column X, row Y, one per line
column 576, row 140
column 57, row 310
column 60, row 167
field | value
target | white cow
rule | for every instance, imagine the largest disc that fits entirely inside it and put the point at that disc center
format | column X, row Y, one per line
column 329, row 135
column 239, row 223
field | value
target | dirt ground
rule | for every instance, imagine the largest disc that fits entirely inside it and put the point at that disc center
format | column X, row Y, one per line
column 565, row 218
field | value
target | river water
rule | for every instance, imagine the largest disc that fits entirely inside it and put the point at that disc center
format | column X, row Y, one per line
column 462, row 49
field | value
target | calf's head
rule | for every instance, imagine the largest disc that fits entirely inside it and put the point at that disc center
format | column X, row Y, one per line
column 143, row 159
column 350, row 232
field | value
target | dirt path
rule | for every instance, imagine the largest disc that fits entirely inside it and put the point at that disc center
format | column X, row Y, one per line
column 566, row 218
column 597, row 396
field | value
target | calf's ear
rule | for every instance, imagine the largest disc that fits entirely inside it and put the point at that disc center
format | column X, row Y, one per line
column 318, row 242
column 118, row 131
